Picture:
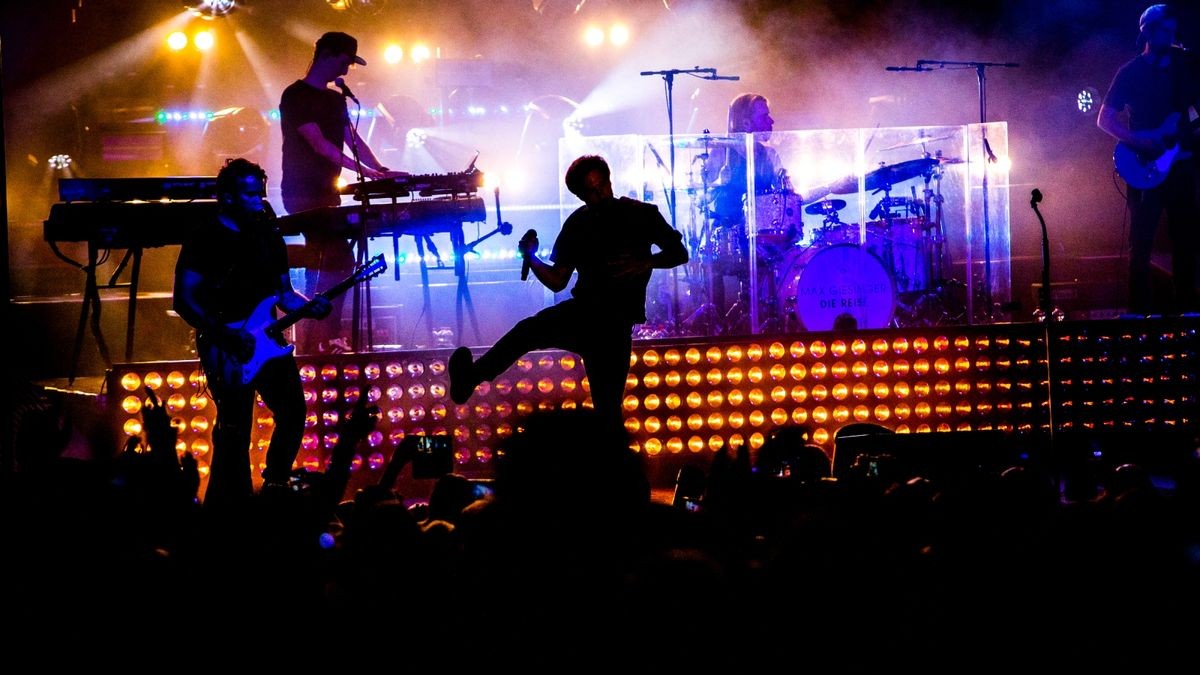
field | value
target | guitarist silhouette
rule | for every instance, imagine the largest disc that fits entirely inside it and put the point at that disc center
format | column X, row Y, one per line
column 1147, row 109
column 229, row 278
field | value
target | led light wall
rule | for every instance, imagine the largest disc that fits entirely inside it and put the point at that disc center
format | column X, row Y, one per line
column 684, row 401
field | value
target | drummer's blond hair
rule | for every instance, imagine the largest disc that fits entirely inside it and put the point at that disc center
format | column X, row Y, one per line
column 739, row 111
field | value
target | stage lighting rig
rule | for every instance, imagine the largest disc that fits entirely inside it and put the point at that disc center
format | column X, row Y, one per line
column 211, row 9
column 364, row 7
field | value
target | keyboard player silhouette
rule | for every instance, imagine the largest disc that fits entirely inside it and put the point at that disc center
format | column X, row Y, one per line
column 317, row 128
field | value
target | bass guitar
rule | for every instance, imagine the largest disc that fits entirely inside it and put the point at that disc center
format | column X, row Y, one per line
column 267, row 330
column 1147, row 171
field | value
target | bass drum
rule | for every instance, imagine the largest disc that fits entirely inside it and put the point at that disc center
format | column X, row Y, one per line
column 820, row 285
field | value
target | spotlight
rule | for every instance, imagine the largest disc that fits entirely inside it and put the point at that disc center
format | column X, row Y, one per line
column 203, row 40
column 60, row 162
column 210, row 9
column 419, row 53
column 415, row 138
column 364, row 7
column 593, row 36
column 177, row 40
column 393, row 54
column 1085, row 100
column 618, row 35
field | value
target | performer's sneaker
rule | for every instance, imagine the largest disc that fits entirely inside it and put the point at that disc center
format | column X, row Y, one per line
column 462, row 375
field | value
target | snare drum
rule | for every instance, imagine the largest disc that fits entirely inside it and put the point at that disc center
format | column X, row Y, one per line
column 778, row 216
column 819, row 284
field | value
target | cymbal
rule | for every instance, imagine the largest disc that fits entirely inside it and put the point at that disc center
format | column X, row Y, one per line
column 919, row 140
column 949, row 160
column 825, row 207
column 886, row 176
column 842, row 186
column 705, row 142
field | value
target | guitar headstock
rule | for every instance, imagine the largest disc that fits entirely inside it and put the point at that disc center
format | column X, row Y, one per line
column 374, row 267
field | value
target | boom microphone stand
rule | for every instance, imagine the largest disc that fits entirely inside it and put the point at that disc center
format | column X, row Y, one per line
column 669, row 83
column 980, row 67
column 362, row 296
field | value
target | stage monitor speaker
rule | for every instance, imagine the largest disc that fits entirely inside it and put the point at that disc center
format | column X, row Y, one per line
column 943, row 456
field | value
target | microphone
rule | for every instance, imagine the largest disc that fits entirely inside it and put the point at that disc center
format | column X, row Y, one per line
column 1036, row 197
column 529, row 234
column 341, row 84
column 991, row 156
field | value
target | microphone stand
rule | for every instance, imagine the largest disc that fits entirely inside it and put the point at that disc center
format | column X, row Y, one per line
column 1048, row 313
column 669, row 82
column 361, row 297
column 981, row 74
column 1044, row 297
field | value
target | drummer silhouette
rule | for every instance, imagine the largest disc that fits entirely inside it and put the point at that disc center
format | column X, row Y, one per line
column 748, row 113
column 726, row 167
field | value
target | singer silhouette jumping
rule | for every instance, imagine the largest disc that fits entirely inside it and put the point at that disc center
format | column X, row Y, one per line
column 316, row 129
column 610, row 242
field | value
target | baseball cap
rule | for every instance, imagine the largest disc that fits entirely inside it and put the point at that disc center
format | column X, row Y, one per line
column 1152, row 15
column 341, row 43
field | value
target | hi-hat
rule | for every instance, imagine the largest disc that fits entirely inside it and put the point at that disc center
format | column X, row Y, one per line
column 825, row 207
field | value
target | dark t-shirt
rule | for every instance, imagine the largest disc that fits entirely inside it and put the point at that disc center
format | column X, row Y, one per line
column 238, row 269
column 730, row 195
column 307, row 175
column 594, row 236
column 1151, row 92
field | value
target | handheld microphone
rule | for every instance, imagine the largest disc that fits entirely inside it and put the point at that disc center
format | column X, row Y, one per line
column 529, row 234
column 341, row 84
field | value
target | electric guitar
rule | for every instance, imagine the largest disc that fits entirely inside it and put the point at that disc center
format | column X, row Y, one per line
column 1144, row 171
column 267, row 330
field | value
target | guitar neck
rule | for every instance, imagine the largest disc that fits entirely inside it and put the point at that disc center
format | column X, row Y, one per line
column 372, row 269
column 291, row 318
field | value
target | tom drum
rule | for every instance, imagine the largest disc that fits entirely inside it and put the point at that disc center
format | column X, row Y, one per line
column 821, row 284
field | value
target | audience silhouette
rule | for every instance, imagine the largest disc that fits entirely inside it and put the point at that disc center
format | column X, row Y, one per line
column 564, row 558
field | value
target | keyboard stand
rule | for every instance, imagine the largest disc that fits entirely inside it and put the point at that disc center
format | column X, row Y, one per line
column 463, row 294
column 91, row 307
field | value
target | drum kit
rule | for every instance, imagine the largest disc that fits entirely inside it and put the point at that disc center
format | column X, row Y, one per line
column 888, row 272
